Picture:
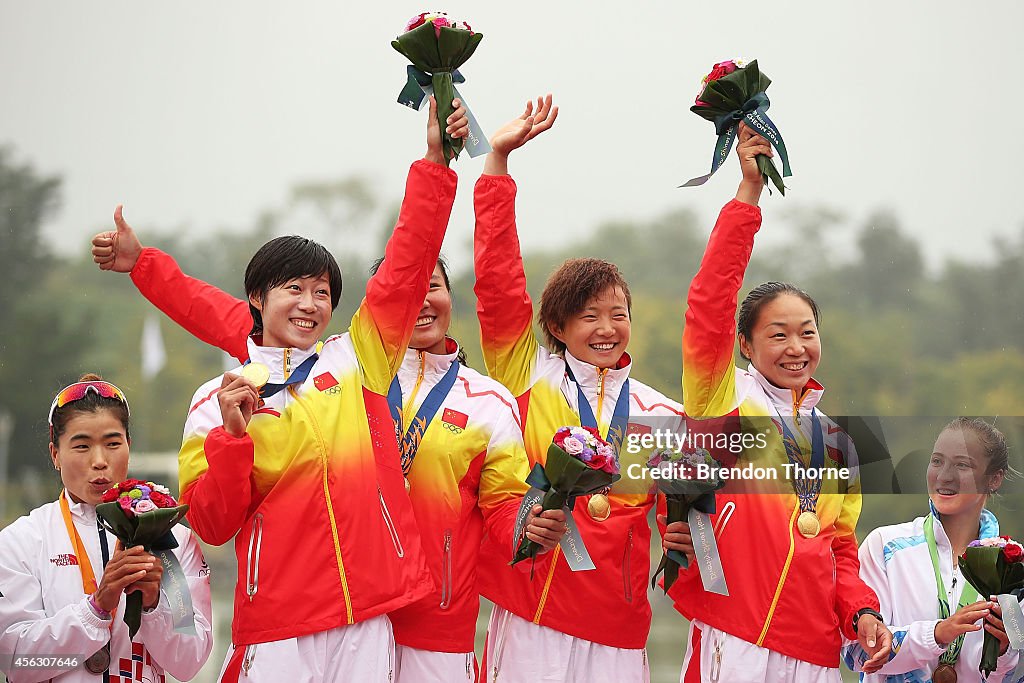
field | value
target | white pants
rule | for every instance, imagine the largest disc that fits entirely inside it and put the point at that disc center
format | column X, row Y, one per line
column 426, row 666
column 721, row 658
column 521, row 651
column 360, row 652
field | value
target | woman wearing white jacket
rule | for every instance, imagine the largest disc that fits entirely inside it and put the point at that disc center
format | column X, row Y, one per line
column 938, row 620
column 63, row 578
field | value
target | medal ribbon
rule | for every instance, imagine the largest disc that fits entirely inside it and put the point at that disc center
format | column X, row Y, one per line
column 410, row 442
column 297, row 377
column 806, row 489
column 84, row 563
column 620, row 416
column 967, row 596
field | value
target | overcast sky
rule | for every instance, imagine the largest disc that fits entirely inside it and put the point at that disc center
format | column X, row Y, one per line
column 199, row 115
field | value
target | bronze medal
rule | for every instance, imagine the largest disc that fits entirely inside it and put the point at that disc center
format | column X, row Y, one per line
column 945, row 673
column 808, row 524
column 257, row 373
column 599, row 507
column 99, row 662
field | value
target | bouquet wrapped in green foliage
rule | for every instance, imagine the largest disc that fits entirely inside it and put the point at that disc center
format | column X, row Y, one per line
column 734, row 91
column 994, row 566
column 437, row 46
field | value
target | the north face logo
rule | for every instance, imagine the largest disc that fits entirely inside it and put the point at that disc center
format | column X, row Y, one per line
column 64, row 560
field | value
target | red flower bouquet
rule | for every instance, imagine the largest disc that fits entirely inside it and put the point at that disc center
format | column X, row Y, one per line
column 994, row 566
column 579, row 462
column 143, row 513
column 734, row 91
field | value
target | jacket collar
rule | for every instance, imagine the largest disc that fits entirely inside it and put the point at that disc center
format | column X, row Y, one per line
column 988, row 526
column 589, row 377
column 280, row 362
column 82, row 511
column 789, row 401
column 433, row 364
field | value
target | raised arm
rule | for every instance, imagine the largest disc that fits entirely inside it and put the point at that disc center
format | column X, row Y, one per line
column 383, row 325
column 504, row 308
column 204, row 311
column 709, row 381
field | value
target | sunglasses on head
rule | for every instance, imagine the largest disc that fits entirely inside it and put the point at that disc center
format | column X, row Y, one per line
column 78, row 391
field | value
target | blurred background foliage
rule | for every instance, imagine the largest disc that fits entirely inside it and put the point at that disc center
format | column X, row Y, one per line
column 899, row 338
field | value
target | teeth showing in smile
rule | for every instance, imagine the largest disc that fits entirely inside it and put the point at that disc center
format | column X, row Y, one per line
column 795, row 366
column 946, row 492
column 308, row 324
column 425, row 320
column 602, row 347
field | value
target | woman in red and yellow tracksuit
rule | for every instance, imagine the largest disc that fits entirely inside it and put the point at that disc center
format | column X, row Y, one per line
column 466, row 469
column 466, row 478
column 552, row 623
column 793, row 580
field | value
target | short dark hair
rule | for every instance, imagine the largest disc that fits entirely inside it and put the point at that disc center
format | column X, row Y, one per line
column 765, row 293
column 288, row 258
column 568, row 290
column 91, row 402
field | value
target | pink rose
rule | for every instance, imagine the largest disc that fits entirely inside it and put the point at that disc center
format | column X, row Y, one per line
column 438, row 23
column 572, row 446
column 126, row 505
column 144, row 505
column 416, row 22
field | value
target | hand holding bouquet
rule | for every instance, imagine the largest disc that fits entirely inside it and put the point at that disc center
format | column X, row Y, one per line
column 994, row 566
column 734, row 91
column 579, row 462
column 688, row 480
column 437, row 46
column 143, row 513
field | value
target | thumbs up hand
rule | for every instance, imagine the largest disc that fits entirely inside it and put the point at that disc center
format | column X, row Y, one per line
column 119, row 249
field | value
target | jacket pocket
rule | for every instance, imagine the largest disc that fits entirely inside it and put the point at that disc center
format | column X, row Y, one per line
column 627, row 584
column 399, row 550
column 446, row 571
column 252, row 558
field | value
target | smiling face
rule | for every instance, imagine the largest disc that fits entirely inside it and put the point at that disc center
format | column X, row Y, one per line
column 784, row 344
column 599, row 333
column 958, row 477
column 296, row 313
column 435, row 316
column 91, row 454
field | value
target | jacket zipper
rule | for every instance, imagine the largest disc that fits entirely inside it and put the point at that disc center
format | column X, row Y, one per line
column 601, row 374
column 627, row 587
column 250, row 655
column 446, row 571
column 782, row 578
column 391, row 525
column 315, row 426
column 286, row 362
column 798, row 400
column 252, row 571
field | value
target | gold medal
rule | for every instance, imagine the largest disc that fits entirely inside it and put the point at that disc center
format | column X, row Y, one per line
column 807, row 524
column 599, row 508
column 257, row 373
column 99, row 661
column 945, row 673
